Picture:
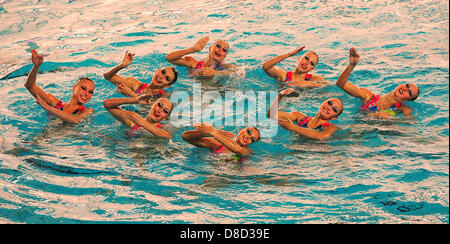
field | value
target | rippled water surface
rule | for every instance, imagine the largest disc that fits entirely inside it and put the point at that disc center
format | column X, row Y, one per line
column 370, row 171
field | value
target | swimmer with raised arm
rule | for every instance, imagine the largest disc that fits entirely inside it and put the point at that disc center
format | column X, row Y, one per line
column 317, row 127
column 131, row 87
column 160, row 110
column 74, row 111
column 383, row 106
column 212, row 65
column 219, row 141
column 300, row 77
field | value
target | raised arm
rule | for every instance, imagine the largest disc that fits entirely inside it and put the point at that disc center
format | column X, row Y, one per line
column 348, row 87
column 117, row 80
column 30, row 84
column 275, row 72
column 178, row 57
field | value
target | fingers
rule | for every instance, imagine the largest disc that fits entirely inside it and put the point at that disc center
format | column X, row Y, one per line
column 205, row 39
column 128, row 54
column 287, row 91
column 353, row 52
column 146, row 96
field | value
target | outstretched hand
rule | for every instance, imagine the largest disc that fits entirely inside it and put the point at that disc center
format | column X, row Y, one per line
column 127, row 59
column 286, row 123
column 295, row 51
column 200, row 44
column 286, row 92
column 36, row 58
column 354, row 56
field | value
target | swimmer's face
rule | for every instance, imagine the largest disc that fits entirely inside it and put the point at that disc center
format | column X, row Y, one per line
column 160, row 110
column 164, row 77
column 219, row 50
column 406, row 92
column 83, row 90
column 307, row 62
column 331, row 108
column 247, row 136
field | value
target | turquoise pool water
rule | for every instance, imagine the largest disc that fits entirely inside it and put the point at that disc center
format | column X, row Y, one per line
column 370, row 171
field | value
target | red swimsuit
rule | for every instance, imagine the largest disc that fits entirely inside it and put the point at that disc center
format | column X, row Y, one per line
column 289, row 76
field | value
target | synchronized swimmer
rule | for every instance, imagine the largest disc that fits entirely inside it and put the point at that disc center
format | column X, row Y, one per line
column 383, row 106
column 160, row 110
column 317, row 127
column 210, row 66
column 163, row 78
column 74, row 111
column 301, row 76
column 205, row 135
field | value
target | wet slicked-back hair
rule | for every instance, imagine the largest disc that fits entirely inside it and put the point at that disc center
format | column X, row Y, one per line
column 175, row 73
column 84, row 78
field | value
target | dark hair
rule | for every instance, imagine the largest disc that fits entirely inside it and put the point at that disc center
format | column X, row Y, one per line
column 417, row 95
column 258, row 132
column 342, row 110
column 175, row 73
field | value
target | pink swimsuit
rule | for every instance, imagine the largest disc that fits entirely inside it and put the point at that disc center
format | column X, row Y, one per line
column 134, row 131
column 289, row 76
column 304, row 123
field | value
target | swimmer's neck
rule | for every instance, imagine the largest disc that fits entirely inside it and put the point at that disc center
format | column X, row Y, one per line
column 390, row 98
column 73, row 103
column 210, row 62
column 150, row 120
column 152, row 86
column 298, row 72
column 318, row 120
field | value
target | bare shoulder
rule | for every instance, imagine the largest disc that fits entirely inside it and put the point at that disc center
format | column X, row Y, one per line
column 298, row 116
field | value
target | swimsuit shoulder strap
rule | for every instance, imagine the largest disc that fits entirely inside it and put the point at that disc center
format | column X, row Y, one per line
column 60, row 105
column 159, row 93
column 141, row 88
column 288, row 76
column 397, row 105
column 372, row 103
column 308, row 77
column 322, row 126
column 304, row 122
column 200, row 65
column 79, row 110
column 219, row 149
